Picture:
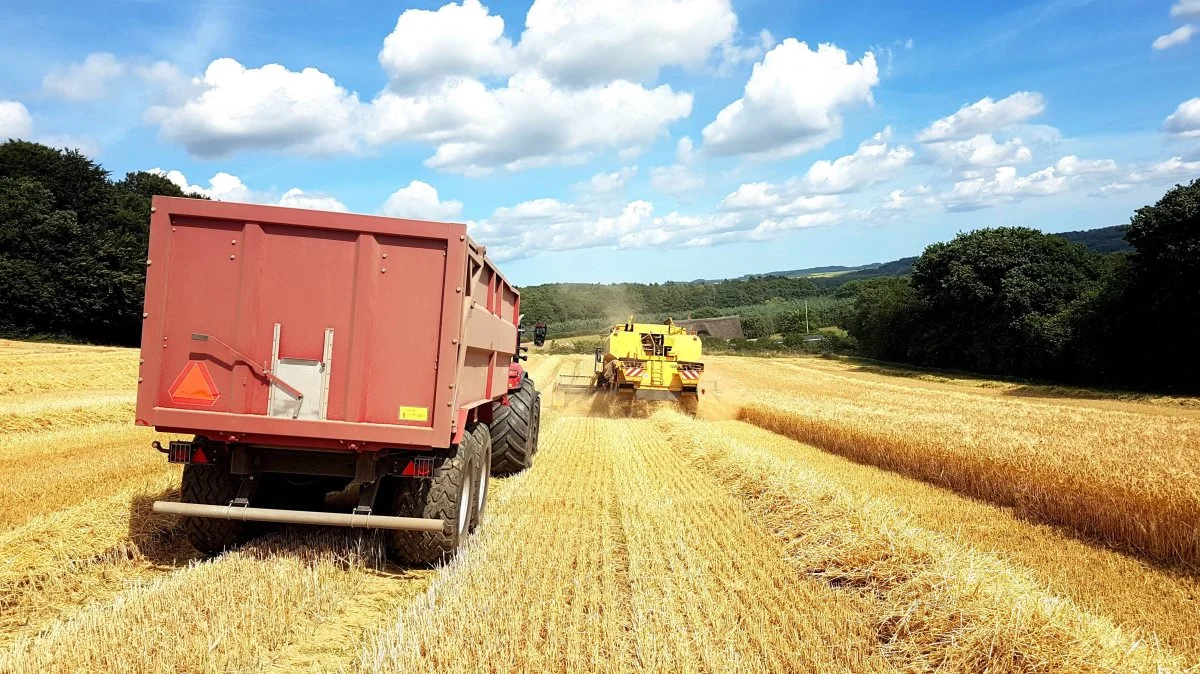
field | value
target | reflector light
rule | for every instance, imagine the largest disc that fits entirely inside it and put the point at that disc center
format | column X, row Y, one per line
column 424, row 467
column 198, row 456
column 179, row 452
column 418, row 468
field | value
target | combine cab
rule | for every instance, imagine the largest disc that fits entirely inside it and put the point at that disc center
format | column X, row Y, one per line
column 643, row 361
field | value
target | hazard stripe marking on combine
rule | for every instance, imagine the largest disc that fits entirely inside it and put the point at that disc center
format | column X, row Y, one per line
column 194, row 386
column 634, row 371
column 689, row 374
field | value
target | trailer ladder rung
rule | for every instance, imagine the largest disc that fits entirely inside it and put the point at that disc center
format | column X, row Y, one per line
column 656, row 373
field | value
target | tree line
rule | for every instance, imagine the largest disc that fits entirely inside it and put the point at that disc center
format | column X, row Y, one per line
column 72, row 245
column 1015, row 301
column 559, row 302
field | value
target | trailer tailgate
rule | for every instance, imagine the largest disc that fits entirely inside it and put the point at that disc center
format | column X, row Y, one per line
column 296, row 323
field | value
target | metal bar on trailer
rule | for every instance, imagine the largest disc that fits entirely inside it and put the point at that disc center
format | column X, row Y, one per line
column 298, row 517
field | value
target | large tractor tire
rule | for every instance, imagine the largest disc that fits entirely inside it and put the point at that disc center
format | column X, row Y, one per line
column 483, row 475
column 449, row 496
column 514, row 430
column 537, row 423
column 212, row 485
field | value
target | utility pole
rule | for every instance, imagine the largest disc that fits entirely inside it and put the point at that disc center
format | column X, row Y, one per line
column 806, row 316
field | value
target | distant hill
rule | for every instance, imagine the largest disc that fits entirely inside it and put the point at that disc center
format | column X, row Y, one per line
column 833, row 270
column 1102, row 240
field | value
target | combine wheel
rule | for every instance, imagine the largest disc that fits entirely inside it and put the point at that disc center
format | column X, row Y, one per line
column 449, row 496
column 211, row 485
column 514, row 430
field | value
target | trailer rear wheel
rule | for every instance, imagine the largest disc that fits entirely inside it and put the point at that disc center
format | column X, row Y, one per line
column 483, row 474
column 211, row 485
column 514, row 430
column 537, row 422
column 448, row 496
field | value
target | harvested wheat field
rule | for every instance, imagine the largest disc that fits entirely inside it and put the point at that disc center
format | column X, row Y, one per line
column 816, row 517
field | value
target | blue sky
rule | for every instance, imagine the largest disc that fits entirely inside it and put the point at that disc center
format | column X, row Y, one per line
column 633, row 140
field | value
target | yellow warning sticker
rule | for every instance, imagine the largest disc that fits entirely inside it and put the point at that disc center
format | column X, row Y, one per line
column 414, row 413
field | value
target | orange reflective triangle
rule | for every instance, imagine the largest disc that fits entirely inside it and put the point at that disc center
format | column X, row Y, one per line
column 194, row 386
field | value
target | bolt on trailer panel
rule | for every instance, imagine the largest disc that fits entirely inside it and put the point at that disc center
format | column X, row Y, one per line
column 296, row 327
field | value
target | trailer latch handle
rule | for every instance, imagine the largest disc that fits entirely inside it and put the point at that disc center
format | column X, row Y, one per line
column 258, row 369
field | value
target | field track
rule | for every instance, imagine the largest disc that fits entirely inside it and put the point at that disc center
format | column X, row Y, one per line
column 654, row 543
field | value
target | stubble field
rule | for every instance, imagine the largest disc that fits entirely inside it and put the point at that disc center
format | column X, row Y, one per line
column 817, row 516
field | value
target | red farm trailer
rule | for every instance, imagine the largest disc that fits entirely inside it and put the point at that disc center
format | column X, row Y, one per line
column 307, row 350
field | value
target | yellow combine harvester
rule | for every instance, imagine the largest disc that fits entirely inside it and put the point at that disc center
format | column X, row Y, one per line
column 644, row 361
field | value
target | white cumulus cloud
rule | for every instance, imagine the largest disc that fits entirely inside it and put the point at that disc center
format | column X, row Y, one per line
column 84, row 81
column 1185, row 121
column 1184, row 8
column 228, row 187
column 775, row 200
column 551, row 225
column 980, row 151
column 587, row 43
column 270, row 107
column 1176, row 37
column 873, row 162
column 419, row 201
column 985, row 116
column 679, row 179
column 298, row 198
column 543, row 225
column 454, row 40
column 579, row 82
column 1005, row 185
column 605, row 185
column 15, row 120
column 1071, row 165
column 1110, row 189
column 530, row 122
column 900, row 200
column 1166, row 171
column 793, row 101
column 753, row 212
column 221, row 187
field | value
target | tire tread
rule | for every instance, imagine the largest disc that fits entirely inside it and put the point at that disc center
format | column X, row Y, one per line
column 514, row 430
column 211, row 485
column 435, row 498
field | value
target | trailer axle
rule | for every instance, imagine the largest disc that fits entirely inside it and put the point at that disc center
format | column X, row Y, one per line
column 355, row 521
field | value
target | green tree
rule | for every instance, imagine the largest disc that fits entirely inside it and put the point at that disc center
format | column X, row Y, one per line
column 40, row 256
column 72, row 245
column 1162, row 295
column 75, row 182
column 757, row 326
column 885, row 318
column 993, row 292
column 1166, row 260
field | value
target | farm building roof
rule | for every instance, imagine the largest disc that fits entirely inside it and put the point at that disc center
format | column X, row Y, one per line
column 723, row 327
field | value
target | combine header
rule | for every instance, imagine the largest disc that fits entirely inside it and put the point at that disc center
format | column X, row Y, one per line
column 643, row 361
